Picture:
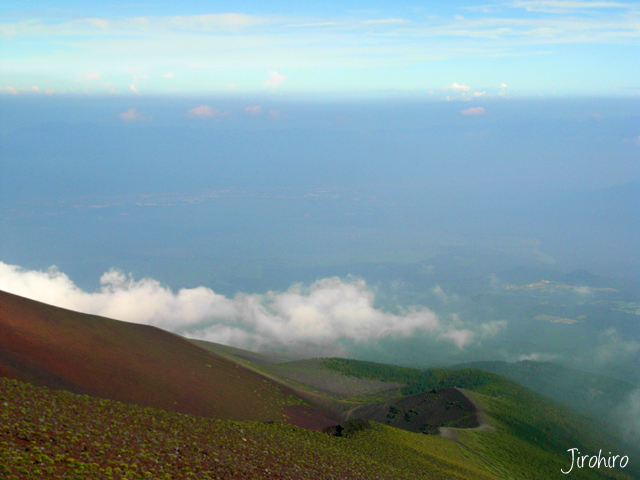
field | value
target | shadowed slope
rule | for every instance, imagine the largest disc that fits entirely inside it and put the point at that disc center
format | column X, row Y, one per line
column 423, row 412
column 132, row 363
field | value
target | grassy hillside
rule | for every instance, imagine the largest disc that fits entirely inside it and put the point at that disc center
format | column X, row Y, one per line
column 136, row 364
column 417, row 380
column 56, row 434
column 533, row 432
column 589, row 393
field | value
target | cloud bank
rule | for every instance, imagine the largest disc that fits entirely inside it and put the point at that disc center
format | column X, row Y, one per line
column 325, row 315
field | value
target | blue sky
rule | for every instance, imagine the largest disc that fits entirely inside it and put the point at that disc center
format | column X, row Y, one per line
column 456, row 50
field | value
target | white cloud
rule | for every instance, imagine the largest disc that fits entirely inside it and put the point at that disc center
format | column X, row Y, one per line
column 133, row 88
column 613, row 347
column 443, row 296
column 275, row 114
column 491, row 328
column 473, row 111
column 274, row 80
column 459, row 87
column 479, row 94
column 93, row 75
column 320, row 315
column 168, row 75
column 538, row 357
column 206, row 112
column 253, row 110
column 503, row 85
column 11, row 90
column 460, row 337
column 583, row 291
column 132, row 115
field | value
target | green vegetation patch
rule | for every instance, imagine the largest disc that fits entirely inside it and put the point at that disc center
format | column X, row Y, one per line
column 417, row 380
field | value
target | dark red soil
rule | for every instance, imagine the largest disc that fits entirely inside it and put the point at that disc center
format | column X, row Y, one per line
column 310, row 418
column 132, row 363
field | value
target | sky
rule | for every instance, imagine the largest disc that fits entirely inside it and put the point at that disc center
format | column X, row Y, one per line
column 291, row 173
column 442, row 50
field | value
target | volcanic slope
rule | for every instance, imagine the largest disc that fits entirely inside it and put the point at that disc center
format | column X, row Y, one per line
column 56, row 434
column 137, row 364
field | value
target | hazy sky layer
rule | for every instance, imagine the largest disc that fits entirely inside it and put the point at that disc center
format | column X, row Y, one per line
column 462, row 49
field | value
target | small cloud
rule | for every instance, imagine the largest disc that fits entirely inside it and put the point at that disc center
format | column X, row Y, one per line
column 503, row 85
column 444, row 297
column 98, row 22
column 168, row 75
column 11, row 90
column 479, row 94
column 473, row 112
column 583, row 291
column 93, row 75
column 206, row 112
column 491, row 328
column 34, row 89
column 133, row 88
column 253, row 110
column 597, row 116
column 460, row 337
column 634, row 140
column 132, row 115
column 231, row 87
column 274, row 80
column 49, row 91
column 538, row 357
column 459, row 87
column 276, row 115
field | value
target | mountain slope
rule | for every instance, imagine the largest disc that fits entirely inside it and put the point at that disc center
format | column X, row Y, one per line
column 532, row 432
column 589, row 393
column 56, row 434
column 137, row 364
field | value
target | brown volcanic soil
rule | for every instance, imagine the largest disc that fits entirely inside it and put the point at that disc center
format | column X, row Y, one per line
column 131, row 363
column 423, row 412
